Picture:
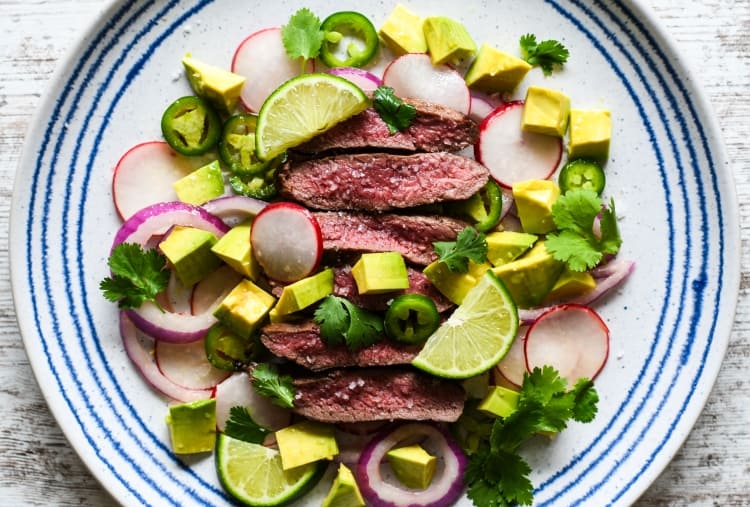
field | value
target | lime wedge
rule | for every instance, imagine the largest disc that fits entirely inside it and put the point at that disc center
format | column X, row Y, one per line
column 476, row 336
column 302, row 108
column 252, row 473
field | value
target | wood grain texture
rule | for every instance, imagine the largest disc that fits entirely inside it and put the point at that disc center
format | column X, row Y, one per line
column 37, row 465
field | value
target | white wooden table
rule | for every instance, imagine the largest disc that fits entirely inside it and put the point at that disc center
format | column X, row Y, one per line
column 38, row 467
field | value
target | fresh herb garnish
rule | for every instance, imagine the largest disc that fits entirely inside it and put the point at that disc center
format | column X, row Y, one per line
column 497, row 476
column 576, row 242
column 138, row 275
column 269, row 383
column 469, row 245
column 342, row 322
column 546, row 54
column 241, row 426
column 302, row 36
column 396, row 114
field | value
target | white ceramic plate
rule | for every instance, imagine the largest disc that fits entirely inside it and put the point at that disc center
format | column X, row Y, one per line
column 670, row 323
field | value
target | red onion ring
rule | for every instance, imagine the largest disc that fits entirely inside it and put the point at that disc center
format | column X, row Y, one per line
column 233, row 209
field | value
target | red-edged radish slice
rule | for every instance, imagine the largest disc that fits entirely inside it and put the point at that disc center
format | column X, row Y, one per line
column 571, row 338
column 367, row 81
column 513, row 365
column 511, row 154
column 238, row 391
column 286, row 241
column 156, row 163
column 262, row 60
column 212, row 288
column 414, row 75
column 139, row 347
column 186, row 365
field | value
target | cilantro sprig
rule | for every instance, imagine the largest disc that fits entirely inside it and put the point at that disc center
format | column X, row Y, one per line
column 241, row 426
column 138, row 275
column 302, row 36
column 545, row 54
column 342, row 322
column 396, row 113
column 470, row 244
column 268, row 382
column 576, row 242
column 497, row 476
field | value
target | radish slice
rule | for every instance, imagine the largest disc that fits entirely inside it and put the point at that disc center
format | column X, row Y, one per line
column 286, row 241
column 139, row 348
column 233, row 209
column 237, row 391
column 571, row 338
column 379, row 490
column 186, row 364
column 178, row 296
column 214, row 287
column 262, row 60
column 413, row 75
column 511, row 154
column 513, row 365
column 367, row 81
column 156, row 163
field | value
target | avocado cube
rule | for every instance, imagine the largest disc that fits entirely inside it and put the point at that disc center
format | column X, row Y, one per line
column 495, row 71
column 534, row 200
column 402, row 31
column 506, row 246
column 452, row 284
column 448, row 41
column 412, row 465
column 244, row 308
column 192, row 426
column 545, row 111
column 201, row 185
column 499, row 402
column 571, row 284
column 219, row 86
column 304, row 292
column 530, row 277
column 344, row 491
column 376, row 273
column 235, row 249
column 189, row 252
column 306, row 442
column 590, row 132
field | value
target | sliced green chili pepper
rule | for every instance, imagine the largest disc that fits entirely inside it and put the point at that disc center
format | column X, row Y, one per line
column 581, row 174
column 226, row 350
column 492, row 201
column 411, row 318
column 351, row 25
column 237, row 145
column 260, row 184
column 191, row 126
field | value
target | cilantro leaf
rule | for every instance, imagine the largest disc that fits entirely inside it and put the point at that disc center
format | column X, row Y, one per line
column 302, row 36
column 241, row 426
column 586, row 398
column 138, row 275
column 545, row 54
column 396, row 114
column 469, row 245
column 342, row 322
column 279, row 388
column 576, row 242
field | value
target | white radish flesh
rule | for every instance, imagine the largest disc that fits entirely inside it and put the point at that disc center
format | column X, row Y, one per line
column 262, row 60
column 513, row 366
column 238, row 391
column 186, row 365
column 286, row 241
column 571, row 338
column 511, row 154
column 413, row 75
column 213, row 288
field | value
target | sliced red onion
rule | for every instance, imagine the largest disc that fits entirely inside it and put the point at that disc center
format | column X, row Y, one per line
column 177, row 295
column 139, row 348
column 171, row 327
column 367, row 81
column 607, row 276
column 233, row 209
column 446, row 486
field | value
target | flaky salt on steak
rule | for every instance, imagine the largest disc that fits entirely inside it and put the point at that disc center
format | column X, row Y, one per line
column 378, row 394
column 434, row 128
column 301, row 342
column 380, row 181
column 410, row 235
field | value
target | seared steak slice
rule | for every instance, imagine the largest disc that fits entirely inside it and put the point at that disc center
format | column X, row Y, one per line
column 301, row 343
column 434, row 128
column 378, row 394
column 381, row 181
column 411, row 235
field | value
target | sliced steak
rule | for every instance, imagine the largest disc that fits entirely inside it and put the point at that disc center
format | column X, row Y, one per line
column 378, row 394
column 411, row 235
column 434, row 128
column 301, row 343
column 380, row 181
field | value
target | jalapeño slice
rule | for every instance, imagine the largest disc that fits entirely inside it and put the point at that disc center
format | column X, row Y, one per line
column 237, row 145
column 191, row 126
column 351, row 27
column 581, row 174
column 226, row 350
column 411, row 318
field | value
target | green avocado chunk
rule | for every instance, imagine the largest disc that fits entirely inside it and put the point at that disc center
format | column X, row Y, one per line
column 412, row 465
column 448, row 41
column 545, row 111
column 530, row 277
column 192, row 426
column 534, row 200
column 219, row 86
column 506, row 246
column 302, row 293
column 201, row 185
column 344, row 491
column 402, row 31
column 243, row 309
column 499, row 402
column 235, row 249
column 306, row 442
column 376, row 273
column 189, row 251
column 494, row 71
